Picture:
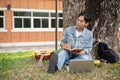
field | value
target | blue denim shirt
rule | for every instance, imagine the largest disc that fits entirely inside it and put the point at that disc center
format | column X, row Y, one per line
column 83, row 41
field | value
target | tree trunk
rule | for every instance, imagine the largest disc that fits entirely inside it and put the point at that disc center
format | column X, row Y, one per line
column 105, row 21
column 105, row 16
column 71, row 9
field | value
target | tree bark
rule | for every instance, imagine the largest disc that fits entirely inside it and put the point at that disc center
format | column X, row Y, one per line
column 71, row 9
column 105, row 18
column 105, row 23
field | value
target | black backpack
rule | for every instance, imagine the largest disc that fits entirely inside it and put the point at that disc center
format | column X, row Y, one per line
column 104, row 52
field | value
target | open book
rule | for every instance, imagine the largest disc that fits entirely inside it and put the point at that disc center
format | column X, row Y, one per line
column 74, row 50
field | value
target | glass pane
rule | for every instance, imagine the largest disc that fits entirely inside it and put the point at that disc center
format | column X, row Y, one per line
column 37, row 23
column 1, row 23
column 60, row 23
column 1, row 13
column 52, row 14
column 44, row 23
column 40, row 14
column 18, row 22
column 27, row 23
column 22, row 13
column 60, row 15
column 53, row 23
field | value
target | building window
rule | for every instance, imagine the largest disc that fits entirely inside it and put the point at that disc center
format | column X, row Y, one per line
column 60, row 20
column 41, row 19
column 40, row 14
column 44, row 23
column 22, row 14
column 37, row 23
column 22, row 19
column 60, row 23
column 18, row 22
column 53, row 23
column 1, row 19
column 27, row 23
column 36, row 20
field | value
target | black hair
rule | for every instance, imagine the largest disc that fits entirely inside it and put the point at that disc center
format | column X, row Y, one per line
column 87, row 17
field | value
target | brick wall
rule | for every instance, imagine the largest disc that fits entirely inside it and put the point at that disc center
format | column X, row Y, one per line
column 10, row 36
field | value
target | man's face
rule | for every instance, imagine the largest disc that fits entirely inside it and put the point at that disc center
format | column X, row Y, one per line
column 80, row 22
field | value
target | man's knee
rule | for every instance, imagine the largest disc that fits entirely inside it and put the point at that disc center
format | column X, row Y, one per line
column 62, row 52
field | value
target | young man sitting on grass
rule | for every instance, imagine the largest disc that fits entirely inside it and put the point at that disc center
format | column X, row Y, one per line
column 77, row 36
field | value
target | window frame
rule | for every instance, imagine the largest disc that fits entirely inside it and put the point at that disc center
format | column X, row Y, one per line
column 3, row 29
column 32, row 29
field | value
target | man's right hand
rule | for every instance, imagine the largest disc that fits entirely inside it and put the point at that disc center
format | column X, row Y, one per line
column 66, row 46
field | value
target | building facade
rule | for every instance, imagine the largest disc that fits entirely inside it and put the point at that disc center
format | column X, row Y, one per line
column 29, row 21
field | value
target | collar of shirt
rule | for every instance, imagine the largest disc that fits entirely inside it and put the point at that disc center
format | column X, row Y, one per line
column 74, row 31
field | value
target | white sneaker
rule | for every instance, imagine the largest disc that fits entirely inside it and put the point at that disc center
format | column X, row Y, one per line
column 67, row 68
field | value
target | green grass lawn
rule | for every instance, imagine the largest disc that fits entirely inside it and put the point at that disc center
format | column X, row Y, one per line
column 23, row 66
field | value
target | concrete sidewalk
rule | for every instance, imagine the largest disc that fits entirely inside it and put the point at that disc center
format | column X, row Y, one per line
column 27, row 48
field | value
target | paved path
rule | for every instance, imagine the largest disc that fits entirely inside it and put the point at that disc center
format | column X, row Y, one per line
column 27, row 48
